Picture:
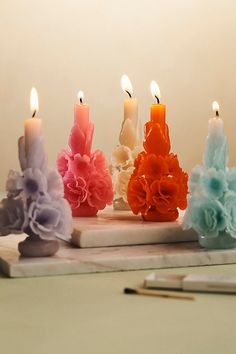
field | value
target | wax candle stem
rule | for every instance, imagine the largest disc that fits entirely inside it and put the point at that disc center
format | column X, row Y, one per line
column 216, row 151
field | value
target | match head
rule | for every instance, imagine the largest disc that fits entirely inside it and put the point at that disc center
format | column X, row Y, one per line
column 129, row 291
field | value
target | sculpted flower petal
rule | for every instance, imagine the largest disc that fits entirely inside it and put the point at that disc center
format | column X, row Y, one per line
column 214, row 183
column 98, row 160
column 34, row 183
column 194, row 179
column 153, row 167
column 75, row 189
column 231, row 179
column 121, row 156
column 136, row 151
column 55, row 186
column 63, row 162
column 138, row 195
column 173, row 164
column 81, row 166
column 156, row 140
column 100, row 190
column 164, row 194
column 128, row 134
column 230, row 207
column 14, row 183
column 12, row 217
column 49, row 218
column 121, row 181
column 206, row 216
column 80, row 140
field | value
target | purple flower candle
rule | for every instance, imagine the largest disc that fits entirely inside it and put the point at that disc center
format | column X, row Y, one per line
column 35, row 203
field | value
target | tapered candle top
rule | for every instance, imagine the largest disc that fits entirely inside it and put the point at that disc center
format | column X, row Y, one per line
column 31, row 150
column 81, row 97
column 129, row 135
column 81, row 136
column 216, row 151
column 216, row 124
column 216, row 108
column 158, row 110
column 155, row 91
column 34, row 101
column 126, row 85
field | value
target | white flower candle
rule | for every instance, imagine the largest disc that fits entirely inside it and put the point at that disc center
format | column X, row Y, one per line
column 129, row 135
column 124, row 154
column 130, row 103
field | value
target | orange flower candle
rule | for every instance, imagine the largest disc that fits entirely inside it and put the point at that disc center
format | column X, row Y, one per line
column 158, row 185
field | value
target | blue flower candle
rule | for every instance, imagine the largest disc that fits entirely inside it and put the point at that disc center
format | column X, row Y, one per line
column 212, row 200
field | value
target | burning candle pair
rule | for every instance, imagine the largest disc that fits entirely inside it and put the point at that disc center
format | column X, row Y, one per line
column 130, row 141
column 152, row 183
column 130, row 132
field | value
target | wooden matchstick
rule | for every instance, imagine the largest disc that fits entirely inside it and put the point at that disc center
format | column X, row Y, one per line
column 168, row 294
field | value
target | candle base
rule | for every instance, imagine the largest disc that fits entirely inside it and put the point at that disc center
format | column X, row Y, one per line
column 155, row 216
column 223, row 241
column 120, row 204
column 34, row 246
column 84, row 210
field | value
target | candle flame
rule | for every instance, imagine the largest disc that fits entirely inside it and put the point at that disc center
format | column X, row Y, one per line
column 126, row 85
column 34, row 101
column 155, row 90
column 215, row 106
column 80, row 96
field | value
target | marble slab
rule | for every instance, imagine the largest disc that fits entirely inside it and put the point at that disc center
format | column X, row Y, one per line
column 72, row 260
column 122, row 228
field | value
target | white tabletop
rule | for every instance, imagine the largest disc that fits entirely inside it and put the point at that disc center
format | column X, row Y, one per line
column 89, row 314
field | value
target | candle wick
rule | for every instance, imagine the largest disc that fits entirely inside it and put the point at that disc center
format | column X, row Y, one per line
column 81, row 101
column 34, row 113
column 128, row 93
column 217, row 113
column 158, row 101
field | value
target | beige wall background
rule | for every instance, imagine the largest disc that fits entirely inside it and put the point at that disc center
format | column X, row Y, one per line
column 61, row 46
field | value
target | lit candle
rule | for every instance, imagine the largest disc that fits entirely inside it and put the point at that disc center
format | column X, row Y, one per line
column 158, row 110
column 31, row 145
column 81, row 135
column 216, row 125
column 33, row 125
column 129, row 135
column 81, row 112
column 216, row 152
column 157, row 125
column 130, row 103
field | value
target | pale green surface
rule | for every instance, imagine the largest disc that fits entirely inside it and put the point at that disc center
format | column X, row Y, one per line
column 89, row 314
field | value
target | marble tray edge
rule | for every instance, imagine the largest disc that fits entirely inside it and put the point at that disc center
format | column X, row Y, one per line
column 69, row 266
column 78, row 242
column 84, row 239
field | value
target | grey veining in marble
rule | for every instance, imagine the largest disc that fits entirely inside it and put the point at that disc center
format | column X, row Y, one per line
column 71, row 260
column 122, row 228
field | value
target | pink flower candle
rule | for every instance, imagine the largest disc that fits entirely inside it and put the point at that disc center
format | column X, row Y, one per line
column 87, row 182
